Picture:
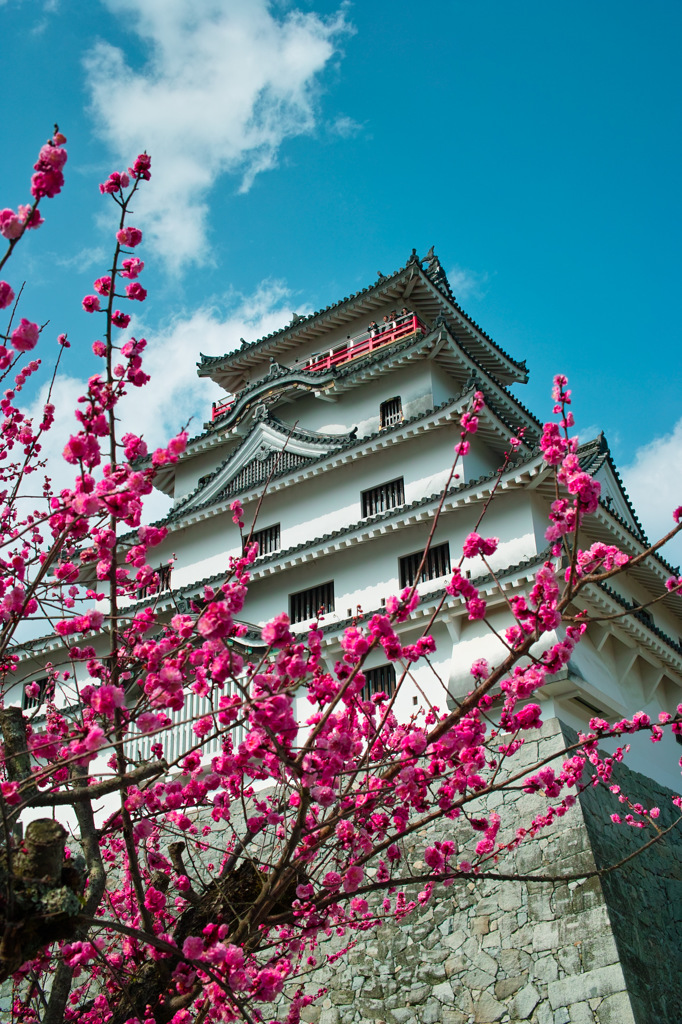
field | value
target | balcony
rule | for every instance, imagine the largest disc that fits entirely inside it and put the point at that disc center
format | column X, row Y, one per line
column 363, row 344
column 353, row 348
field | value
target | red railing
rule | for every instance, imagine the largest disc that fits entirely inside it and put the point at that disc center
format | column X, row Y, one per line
column 358, row 346
column 220, row 408
column 365, row 343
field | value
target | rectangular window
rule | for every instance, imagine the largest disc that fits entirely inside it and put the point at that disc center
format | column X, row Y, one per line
column 379, row 680
column 267, row 539
column 436, row 563
column 383, row 497
column 391, row 412
column 28, row 703
column 160, row 584
column 307, row 604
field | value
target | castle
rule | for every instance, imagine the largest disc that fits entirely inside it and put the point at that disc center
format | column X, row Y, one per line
column 336, row 435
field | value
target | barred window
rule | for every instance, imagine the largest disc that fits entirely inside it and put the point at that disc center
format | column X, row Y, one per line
column 436, row 563
column 383, row 497
column 379, row 680
column 307, row 604
column 159, row 585
column 267, row 539
column 34, row 702
column 391, row 412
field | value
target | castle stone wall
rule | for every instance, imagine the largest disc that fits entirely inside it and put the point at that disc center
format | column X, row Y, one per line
column 577, row 952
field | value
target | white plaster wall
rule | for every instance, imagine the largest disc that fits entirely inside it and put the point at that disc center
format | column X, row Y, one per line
column 360, row 406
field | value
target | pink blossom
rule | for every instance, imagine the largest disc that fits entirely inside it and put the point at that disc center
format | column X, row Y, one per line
column 276, row 633
column 216, row 621
column 141, row 167
column 10, row 792
column 477, row 545
column 25, row 336
column 353, row 878
column 154, row 900
column 11, row 225
column 91, row 303
column 129, row 237
column 6, row 295
column 120, row 319
column 102, row 285
column 132, row 267
column 115, row 183
column 237, row 514
column 136, row 291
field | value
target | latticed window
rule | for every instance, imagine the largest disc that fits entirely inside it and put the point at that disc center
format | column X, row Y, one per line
column 258, row 470
column 307, row 604
column 379, row 680
column 391, row 412
column 267, row 539
column 35, row 702
column 383, row 497
column 436, row 563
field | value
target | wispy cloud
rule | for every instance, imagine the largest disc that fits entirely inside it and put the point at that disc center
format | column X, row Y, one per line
column 346, row 127
column 223, row 86
column 654, row 482
column 466, row 283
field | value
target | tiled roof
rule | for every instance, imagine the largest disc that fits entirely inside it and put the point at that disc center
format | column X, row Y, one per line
column 207, row 362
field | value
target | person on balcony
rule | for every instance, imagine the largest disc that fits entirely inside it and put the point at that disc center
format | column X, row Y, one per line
column 405, row 314
column 373, row 328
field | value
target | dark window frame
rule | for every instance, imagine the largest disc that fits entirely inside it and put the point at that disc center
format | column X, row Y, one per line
column 311, row 602
column 391, row 412
column 269, row 539
column 381, row 679
column 436, row 564
column 383, row 497
column 31, row 703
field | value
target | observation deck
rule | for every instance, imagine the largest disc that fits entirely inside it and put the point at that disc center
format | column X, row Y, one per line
column 352, row 348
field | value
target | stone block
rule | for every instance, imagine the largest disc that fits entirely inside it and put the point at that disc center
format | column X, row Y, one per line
column 403, row 1015
column 546, row 969
column 432, row 973
column 443, row 992
column 510, row 896
column 330, row 1016
column 616, row 1009
column 604, row 981
column 417, row 994
column 581, row 1013
column 524, row 1002
column 342, row 996
column 546, row 936
column 599, row 951
column 488, row 1009
column 430, row 1012
column 508, row 986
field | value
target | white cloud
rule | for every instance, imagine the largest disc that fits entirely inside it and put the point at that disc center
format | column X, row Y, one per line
column 345, row 126
column 654, row 482
column 174, row 395
column 466, row 283
column 223, row 86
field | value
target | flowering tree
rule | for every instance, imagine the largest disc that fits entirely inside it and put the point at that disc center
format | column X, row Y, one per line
column 193, row 889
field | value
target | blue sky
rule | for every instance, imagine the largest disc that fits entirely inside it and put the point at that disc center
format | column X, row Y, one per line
column 299, row 148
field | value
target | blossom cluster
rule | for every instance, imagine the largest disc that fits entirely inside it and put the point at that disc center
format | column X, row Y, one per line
column 333, row 781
